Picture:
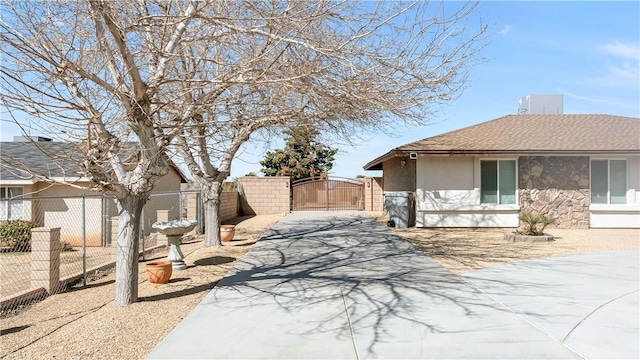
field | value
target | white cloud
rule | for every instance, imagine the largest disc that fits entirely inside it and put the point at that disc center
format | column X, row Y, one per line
column 628, row 51
column 621, row 68
column 505, row 30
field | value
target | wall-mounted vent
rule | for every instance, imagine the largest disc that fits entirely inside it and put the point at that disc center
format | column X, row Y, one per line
column 413, row 156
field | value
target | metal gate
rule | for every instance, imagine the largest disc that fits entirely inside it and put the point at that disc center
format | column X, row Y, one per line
column 327, row 194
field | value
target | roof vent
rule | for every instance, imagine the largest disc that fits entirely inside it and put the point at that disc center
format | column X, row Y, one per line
column 413, row 156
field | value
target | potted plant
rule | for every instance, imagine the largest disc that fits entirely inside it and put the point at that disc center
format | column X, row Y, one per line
column 532, row 227
column 158, row 272
column 227, row 232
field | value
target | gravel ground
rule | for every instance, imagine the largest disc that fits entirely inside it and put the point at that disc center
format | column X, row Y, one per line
column 462, row 250
column 84, row 324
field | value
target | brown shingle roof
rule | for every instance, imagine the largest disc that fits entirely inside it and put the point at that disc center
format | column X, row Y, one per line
column 557, row 134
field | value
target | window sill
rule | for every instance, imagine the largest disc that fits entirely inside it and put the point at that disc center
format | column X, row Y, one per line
column 614, row 207
column 469, row 207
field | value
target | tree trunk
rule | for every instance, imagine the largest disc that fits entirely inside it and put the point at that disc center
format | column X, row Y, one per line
column 129, row 216
column 211, row 194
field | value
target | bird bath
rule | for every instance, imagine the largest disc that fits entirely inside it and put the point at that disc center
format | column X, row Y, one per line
column 174, row 230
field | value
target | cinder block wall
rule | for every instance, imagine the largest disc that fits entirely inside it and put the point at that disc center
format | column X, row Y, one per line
column 191, row 205
column 373, row 194
column 229, row 205
column 264, row 195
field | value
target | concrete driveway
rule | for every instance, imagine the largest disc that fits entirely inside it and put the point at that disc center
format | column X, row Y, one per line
column 342, row 286
column 588, row 302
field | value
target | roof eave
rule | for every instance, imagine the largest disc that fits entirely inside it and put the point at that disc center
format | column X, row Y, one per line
column 376, row 164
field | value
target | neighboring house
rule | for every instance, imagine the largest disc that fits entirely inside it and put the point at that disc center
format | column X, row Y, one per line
column 60, row 205
column 582, row 169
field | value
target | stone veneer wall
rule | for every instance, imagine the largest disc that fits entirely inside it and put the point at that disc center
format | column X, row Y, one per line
column 557, row 186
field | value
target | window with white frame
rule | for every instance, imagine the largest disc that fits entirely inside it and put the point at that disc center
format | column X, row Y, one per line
column 498, row 181
column 11, row 203
column 608, row 181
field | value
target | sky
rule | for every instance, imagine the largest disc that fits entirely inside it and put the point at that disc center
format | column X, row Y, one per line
column 586, row 51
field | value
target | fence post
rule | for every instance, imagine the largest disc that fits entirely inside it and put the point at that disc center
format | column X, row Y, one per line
column 114, row 231
column 45, row 258
column 200, row 210
column 141, row 235
column 181, row 206
column 84, row 241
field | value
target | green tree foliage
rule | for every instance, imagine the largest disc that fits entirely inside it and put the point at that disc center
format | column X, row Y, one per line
column 303, row 156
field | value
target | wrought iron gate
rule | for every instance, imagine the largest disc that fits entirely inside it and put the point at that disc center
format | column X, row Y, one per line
column 327, row 194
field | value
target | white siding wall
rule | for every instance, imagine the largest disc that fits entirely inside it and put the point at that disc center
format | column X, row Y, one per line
column 625, row 215
column 448, row 195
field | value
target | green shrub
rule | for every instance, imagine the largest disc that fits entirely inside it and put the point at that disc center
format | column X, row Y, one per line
column 16, row 234
column 534, row 224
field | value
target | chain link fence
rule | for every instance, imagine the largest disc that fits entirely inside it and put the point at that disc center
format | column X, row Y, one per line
column 48, row 244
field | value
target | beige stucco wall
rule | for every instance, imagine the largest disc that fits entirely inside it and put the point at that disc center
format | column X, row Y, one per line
column 399, row 177
column 169, row 182
column 446, row 179
column 57, row 205
column 61, row 206
column 448, row 195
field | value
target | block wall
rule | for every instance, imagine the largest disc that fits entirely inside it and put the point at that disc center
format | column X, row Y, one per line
column 229, row 205
column 264, row 195
column 373, row 194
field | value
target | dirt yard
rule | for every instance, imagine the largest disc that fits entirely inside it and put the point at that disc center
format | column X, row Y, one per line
column 84, row 324
column 463, row 250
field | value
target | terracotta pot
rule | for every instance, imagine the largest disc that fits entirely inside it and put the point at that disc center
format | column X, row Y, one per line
column 227, row 232
column 158, row 272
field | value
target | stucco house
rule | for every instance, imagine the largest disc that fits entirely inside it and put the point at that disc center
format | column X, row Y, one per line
column 582, row 169
column 60, row 205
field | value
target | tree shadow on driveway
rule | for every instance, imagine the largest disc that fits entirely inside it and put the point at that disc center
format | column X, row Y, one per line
column 349, row 279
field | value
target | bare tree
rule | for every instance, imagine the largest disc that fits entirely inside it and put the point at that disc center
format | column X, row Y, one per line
column 90, row 72
column 341, row 67
column 134, row 82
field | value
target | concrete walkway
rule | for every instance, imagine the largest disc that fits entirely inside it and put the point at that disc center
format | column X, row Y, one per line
column 341, row 286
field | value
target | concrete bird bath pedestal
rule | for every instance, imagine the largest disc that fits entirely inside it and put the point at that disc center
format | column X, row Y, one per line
column 174, row 230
